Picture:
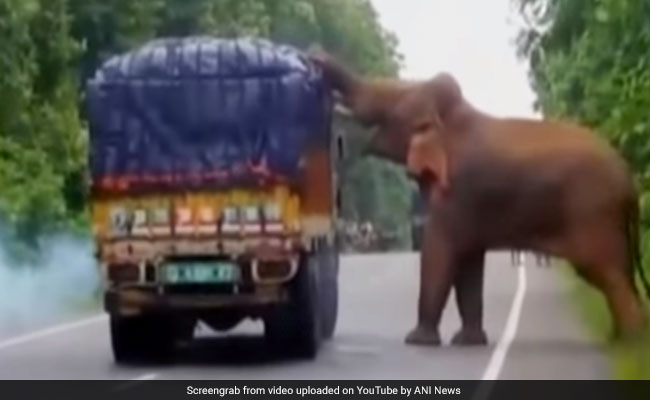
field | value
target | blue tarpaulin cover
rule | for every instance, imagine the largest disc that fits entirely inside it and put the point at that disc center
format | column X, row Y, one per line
column 204, row 111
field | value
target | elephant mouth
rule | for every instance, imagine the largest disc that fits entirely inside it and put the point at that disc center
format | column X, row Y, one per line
column 425, row 180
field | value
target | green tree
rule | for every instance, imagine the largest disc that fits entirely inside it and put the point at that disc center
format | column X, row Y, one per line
column 107, row 27
column 41, row 138
column 590, row 63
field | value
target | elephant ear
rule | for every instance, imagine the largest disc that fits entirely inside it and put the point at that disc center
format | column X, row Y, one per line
column 427, row 159
column 427, row 155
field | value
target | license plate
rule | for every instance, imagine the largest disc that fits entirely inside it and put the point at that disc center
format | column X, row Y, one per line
column 220, row 272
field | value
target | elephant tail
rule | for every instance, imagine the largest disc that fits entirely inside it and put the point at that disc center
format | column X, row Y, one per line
column 633, row 236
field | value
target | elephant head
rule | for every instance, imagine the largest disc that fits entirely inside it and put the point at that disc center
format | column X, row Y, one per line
column 398, row 109
column 369, row 100
column 420, row 128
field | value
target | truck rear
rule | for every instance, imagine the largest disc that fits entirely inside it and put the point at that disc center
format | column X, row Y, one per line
column 213, row 194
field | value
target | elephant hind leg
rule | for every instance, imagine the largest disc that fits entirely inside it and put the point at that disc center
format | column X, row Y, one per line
column 623, row 301
column 604, row 263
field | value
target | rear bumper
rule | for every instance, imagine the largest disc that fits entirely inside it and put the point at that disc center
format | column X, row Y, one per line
column 134, row 301
column 135, row 250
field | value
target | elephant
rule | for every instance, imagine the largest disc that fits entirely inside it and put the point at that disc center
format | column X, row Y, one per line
column 498, row 183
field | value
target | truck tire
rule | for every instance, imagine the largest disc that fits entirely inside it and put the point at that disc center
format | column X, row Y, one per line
column 141, row 339
column 295, row 328
column 329, row 290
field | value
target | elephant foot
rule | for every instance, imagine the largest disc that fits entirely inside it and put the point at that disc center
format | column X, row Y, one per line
column 633, row 327
column 422, row 336
column 628, row 337
column 470, row 337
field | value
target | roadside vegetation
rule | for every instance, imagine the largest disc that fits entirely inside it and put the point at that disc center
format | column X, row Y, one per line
column 629, row 361
column 590, row 63
column 51, row 47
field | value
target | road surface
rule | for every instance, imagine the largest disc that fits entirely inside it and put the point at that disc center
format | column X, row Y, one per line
column 531, row 325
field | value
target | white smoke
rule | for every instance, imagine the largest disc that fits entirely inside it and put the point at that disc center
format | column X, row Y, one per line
column 62, row 283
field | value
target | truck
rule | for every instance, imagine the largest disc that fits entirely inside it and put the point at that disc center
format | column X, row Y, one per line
column 214, row 194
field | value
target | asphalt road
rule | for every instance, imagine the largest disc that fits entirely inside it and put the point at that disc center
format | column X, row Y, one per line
column 532, row 329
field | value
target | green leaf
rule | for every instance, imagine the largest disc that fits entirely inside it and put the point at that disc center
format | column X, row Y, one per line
column 601, row 15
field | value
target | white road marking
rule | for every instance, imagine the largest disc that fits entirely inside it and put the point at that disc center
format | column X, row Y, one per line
column 134, row 381
column 53, row 330
column 356, row 349
column 145, row 377
column 499, row 355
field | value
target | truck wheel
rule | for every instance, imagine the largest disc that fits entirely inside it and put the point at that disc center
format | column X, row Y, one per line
column 182, row 328
column 141, row 339
column 329, row 291
column 295, row 327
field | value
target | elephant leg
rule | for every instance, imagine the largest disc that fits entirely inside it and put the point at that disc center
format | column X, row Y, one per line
column 606, row 264
column 626, row 306
column 468, row 286
column 622, row 299
column 436, row 273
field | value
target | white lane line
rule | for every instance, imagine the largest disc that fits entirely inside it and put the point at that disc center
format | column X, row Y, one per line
column 145, row 377
column 53, row 330
column 356, row 349
column 134, row 381
column 499, row 355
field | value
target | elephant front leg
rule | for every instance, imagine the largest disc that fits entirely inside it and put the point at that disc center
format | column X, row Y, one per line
column 435, row 284
column 468, row 287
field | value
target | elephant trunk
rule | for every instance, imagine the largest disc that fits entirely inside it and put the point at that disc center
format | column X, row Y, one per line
column 368, row 100
column 342, row 80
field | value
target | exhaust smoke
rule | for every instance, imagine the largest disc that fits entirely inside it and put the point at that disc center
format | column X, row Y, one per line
column 62, row 282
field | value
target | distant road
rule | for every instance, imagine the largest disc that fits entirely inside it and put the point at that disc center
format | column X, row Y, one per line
column 532, row 329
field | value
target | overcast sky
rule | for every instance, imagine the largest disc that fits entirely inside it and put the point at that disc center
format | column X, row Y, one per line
column 471, row 39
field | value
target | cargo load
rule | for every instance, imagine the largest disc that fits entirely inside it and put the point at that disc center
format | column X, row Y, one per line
column 202, row 111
